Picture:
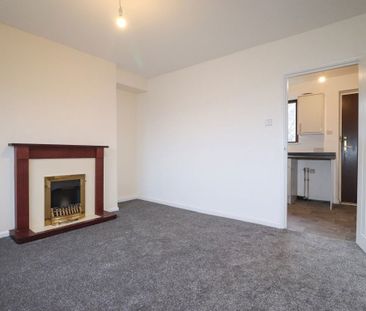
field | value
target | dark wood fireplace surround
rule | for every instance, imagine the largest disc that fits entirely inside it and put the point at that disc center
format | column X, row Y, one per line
column 22, row 154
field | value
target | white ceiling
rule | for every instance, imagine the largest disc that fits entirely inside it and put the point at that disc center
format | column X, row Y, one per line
column 332, row 73
column 165, row 35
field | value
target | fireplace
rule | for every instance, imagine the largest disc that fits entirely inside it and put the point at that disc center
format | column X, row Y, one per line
column 48, row 200
column 64, row 199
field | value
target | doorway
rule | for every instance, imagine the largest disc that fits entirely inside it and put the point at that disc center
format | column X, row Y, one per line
column 323, row 152
column 348, row 147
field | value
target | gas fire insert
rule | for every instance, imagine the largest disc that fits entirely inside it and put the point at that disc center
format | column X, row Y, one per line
column 64, row 199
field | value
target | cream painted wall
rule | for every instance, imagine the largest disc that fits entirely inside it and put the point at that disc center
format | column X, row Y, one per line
column 202, row 139
column 126, row 112
column 319, row 182
column 131, row 82
column 50, row 93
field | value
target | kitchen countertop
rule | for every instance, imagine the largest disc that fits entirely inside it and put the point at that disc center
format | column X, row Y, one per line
column 312, row 155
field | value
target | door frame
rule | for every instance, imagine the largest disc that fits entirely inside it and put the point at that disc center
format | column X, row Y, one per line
column 339, row 160
column 361, row 179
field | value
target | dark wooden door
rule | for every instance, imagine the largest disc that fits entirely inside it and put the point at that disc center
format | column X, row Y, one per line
column 349, row 148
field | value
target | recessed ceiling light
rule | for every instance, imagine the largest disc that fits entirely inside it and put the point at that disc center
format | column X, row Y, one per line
column 121, row 21
column 322, row 79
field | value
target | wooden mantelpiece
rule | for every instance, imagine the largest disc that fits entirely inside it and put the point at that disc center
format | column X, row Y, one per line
column 23, row 153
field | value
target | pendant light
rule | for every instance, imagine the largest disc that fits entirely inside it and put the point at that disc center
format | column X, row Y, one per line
column 121, row 21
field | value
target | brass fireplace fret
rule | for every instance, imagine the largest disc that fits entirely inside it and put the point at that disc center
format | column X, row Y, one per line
column 70, row 213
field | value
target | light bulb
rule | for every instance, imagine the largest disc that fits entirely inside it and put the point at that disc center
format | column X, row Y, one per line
column 322, row 79
column 121, row 22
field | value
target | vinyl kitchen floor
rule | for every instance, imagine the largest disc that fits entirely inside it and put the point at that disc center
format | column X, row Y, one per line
column 316, row 217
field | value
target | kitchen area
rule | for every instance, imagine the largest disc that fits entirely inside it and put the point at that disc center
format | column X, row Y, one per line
column 322, row 152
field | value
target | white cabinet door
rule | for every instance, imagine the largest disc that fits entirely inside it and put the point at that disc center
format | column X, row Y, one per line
column 291, row 180
column 310, row 114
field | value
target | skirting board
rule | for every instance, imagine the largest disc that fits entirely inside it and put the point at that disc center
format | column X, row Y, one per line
column 128, row 198
column 113, row 209
column 4, row 234
column 214, row 213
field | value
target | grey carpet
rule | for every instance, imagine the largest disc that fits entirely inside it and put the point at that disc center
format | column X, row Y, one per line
column 158, row 258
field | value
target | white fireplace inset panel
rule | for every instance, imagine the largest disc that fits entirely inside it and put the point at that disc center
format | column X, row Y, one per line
column 41, row 168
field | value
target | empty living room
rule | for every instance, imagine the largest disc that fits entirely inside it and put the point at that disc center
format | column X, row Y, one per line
column 182, row 155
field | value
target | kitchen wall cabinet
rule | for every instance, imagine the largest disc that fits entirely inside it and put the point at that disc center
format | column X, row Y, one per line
column 310, row 114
